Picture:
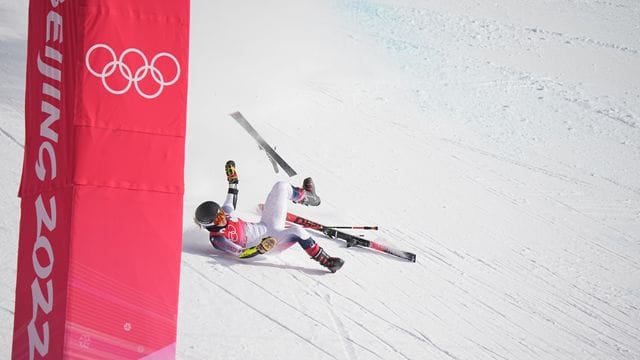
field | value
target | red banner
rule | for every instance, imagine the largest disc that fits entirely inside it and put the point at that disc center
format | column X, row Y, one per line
column 102, row 182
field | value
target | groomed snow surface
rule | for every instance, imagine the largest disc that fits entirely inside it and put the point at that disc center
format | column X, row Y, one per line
column 499, row 141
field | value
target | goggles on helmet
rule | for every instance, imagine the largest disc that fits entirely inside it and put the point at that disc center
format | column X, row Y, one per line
column 221, row 218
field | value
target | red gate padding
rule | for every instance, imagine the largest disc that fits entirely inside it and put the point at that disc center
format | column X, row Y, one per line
column 102, row 182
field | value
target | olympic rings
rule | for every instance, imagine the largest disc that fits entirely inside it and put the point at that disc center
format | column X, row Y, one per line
column 133, row 78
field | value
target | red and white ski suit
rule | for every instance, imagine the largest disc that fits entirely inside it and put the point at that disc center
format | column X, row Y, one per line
column 239, row 235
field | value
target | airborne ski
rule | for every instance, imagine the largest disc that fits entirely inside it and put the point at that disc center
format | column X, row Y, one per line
column 272, row 155
column 351, row 240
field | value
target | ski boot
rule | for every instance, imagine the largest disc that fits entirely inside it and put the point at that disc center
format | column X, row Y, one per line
column 332, row 263
column 306, row 195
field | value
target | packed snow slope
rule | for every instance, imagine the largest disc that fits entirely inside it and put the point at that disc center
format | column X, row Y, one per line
column 499, row 141
column 13, row 22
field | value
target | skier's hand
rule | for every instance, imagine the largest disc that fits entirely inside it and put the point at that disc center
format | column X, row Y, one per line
column 230, row 170
column 265, row 245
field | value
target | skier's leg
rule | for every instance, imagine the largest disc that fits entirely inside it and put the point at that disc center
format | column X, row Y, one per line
column 297, row 234
column 274, row 213
column 290, row 236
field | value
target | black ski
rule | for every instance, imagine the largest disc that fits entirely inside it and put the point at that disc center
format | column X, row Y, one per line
column 351, row 240
column 272, row 155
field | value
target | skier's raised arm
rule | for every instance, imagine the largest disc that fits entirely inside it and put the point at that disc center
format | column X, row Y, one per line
column 232, row 194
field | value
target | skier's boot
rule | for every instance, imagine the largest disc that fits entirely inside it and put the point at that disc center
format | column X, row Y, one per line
column 306, row 195
column 332, row 263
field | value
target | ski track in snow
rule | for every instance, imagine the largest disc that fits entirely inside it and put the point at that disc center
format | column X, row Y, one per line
column 7, row 134
column 338, row 328
column 261, row 312
column 375, row 315
column 7, row 310
column 349, row 351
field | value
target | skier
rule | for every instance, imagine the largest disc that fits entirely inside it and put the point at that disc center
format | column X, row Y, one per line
column 247, row 239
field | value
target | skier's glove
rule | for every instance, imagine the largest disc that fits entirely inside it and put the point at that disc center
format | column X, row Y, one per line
column 265, row 245
column 230, row 170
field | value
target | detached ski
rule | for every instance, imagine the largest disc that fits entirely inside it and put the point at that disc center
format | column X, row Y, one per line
column 272, row 155
column 351, row 240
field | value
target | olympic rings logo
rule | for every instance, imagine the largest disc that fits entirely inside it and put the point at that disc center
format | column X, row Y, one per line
column 132, row 78
column 232, row 232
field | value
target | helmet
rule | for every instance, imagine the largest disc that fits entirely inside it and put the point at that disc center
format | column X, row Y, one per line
column 206, row 213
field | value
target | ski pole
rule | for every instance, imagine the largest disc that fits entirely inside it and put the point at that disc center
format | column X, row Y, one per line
column 314, row 225
column 353, row 227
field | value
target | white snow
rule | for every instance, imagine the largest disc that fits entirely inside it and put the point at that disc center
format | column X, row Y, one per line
column 499, row 141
